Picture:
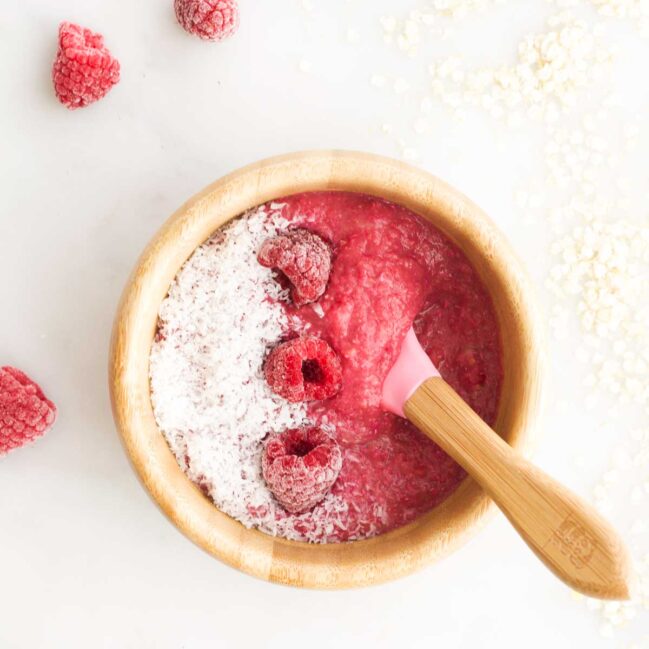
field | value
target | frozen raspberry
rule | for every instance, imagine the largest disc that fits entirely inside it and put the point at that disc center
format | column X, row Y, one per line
column 84, row 70
column 211, row 20
column 25, row 412
column 304, row 258
column 300, row 466
column 304, row 369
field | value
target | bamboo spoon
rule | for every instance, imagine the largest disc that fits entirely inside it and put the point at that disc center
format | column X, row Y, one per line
column 569, row 536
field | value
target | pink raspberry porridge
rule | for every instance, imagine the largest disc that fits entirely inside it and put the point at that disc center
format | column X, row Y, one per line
column 272, row 347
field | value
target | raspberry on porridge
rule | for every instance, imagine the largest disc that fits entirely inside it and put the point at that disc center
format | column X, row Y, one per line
column 303, row 258
column 303, row 369
column 300, row 466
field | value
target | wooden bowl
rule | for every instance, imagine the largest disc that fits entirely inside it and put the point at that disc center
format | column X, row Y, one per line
column 358, row 563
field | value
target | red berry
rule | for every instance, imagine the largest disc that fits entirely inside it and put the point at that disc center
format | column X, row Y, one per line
column 304, row 258
column 84, row 70
column 25, row 413
column 300, row 466
column 211, row 20
column 304, row 369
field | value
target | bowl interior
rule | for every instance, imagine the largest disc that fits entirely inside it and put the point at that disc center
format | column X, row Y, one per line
column 334, row 565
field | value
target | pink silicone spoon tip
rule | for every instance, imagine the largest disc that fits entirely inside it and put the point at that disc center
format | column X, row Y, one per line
column 409, row 371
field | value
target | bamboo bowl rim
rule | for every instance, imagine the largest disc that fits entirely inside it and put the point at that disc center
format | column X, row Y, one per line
column 358, row 563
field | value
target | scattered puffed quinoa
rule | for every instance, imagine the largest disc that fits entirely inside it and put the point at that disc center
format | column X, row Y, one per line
column 461, row 8
column 605, row 266
column 637, row 10
column 552, row 67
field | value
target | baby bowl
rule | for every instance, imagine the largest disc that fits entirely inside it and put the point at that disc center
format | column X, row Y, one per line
column 358, row 563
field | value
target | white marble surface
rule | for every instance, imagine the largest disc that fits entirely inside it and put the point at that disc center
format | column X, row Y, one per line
column 86, row 560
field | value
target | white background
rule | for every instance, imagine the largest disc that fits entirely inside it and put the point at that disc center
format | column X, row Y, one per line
column 86, row 559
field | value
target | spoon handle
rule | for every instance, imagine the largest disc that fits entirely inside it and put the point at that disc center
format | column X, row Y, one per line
column 568, row 535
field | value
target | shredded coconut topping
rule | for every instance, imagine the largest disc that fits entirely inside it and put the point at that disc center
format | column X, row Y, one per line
column 209, row 395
